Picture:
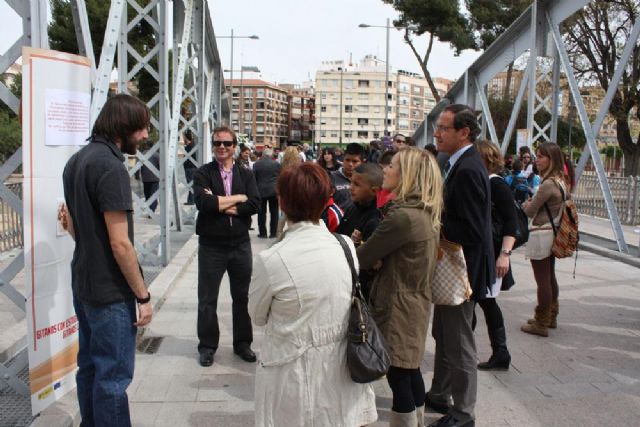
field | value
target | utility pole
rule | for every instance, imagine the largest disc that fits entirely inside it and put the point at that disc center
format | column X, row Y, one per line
column 341, row 108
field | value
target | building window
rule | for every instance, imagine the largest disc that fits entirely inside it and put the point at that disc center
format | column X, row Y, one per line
column 403, row 87
column 362, row 108
column 348, row 108
column 348, row 84
column 363, row 121
column 323, row 133
column 323, row 108
column 334, row 134
column 363, row 83
column 363, row 96
column 376, row 135
column 348, row 134
column 363, row 134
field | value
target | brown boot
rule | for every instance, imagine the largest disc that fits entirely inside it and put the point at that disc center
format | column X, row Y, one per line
column 540, row 324
column 552, row 319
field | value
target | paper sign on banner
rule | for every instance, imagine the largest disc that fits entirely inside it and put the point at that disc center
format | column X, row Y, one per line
column 66, row 117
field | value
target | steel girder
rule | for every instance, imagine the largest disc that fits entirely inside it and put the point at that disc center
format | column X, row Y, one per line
column 34, row 33
column 532, row 32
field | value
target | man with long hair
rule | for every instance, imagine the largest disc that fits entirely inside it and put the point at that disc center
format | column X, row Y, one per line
column 109, row 294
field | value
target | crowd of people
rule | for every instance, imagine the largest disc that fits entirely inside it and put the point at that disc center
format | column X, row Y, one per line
column 393, row 203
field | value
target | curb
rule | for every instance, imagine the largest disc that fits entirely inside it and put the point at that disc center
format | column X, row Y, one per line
column 66, row 412
column 608, row 253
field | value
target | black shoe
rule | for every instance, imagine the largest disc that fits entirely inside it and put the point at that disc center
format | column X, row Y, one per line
column 262, row 236
column 206, row 358
column 449, row 421
column 251, row 228
column 272, row 236
column 497, row 362
column 245, row 353
column 437, row 407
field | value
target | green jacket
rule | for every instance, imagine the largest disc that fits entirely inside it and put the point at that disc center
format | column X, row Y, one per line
column 400, row 298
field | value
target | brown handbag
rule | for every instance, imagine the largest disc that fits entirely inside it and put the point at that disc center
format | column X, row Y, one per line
column 450, row 281
column 367, row 354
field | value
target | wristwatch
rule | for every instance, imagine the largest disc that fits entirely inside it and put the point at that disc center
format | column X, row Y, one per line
column 144, row 300
column 506, row 252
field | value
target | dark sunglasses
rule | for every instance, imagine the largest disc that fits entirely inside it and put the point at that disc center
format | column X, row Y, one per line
column 217, row 143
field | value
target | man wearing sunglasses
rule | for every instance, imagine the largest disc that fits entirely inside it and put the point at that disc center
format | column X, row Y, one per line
column 226, row 197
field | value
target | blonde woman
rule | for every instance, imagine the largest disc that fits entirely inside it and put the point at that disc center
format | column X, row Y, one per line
column 404, row 248
column 290, row 157
column 552, row 191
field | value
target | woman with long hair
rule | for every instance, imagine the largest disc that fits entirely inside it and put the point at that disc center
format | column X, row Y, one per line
column 301, row 294
column 328, row 160
column 504, row 220
column 545, row 207
column 404, row 248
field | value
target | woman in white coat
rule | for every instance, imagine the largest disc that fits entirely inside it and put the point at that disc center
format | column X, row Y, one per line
column 301, row 294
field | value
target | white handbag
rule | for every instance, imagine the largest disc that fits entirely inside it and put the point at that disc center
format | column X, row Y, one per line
column 450, row 281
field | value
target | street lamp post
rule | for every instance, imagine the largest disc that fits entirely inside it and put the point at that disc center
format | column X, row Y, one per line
column 386, row 83
column 232, row 37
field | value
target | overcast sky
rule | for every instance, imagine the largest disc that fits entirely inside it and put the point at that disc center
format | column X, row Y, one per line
column 297, row 35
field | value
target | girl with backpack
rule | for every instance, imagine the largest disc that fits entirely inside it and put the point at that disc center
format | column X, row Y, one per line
column 550, row 163
column 505, row 229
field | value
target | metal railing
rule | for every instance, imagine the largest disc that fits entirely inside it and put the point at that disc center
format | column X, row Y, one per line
column 625, row 192
column 11, row 222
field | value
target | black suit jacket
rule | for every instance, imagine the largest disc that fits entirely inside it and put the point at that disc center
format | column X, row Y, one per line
column 216, row 228
column 266, row 171
column 467, row 218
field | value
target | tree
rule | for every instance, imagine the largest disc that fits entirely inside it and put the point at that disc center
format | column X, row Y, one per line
column 10, row 129
column 595, row 38
column 441, row 19
column 490, row 18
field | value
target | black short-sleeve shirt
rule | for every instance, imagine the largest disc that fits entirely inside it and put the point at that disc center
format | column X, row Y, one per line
column 96, row 181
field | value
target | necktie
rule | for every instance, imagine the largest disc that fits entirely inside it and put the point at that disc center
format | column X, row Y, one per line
column 447, row 166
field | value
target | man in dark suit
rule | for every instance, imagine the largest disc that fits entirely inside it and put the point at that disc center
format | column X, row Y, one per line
column 466, row 220
column 226, row 197
column 266, row 171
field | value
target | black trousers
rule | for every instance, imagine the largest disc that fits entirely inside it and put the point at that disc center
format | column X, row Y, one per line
column 213, row 262
column 273, row 216
column 149, row 189
column 407, row 387
column 188, row 174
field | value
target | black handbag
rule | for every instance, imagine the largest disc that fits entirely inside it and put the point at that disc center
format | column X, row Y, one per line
column 367, row 354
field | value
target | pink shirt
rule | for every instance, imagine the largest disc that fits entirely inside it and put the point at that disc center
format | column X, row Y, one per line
column 227, row 178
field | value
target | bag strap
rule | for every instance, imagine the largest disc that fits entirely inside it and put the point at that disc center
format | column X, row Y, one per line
column 355, row 282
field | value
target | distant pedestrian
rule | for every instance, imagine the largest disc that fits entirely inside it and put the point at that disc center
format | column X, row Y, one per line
column 190, row 162
column 109, row 294
column 328, row 160
column 226, row 196
column 150, row 178
column 266, row 171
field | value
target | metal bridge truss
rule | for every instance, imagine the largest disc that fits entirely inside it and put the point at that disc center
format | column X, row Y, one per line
column 189, row 96
column 536, row 33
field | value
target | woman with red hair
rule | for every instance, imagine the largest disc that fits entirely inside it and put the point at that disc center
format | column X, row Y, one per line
column 301, row 294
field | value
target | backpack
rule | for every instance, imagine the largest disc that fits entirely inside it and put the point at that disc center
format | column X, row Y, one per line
column 522, row 233
column 567, row 236
column 523, row 226
column 520, row 189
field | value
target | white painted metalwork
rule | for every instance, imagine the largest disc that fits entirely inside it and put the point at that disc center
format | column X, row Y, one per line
column 197, row 77
column 530, row 33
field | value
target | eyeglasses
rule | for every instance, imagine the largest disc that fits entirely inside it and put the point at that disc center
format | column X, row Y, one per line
column 441, row 128
column 218, row 143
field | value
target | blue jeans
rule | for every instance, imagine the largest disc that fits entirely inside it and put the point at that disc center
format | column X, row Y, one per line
column 105, row 362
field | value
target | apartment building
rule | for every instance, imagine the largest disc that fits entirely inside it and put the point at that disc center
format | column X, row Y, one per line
column 301, row 116
column 260, row 110
column 351, row 100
